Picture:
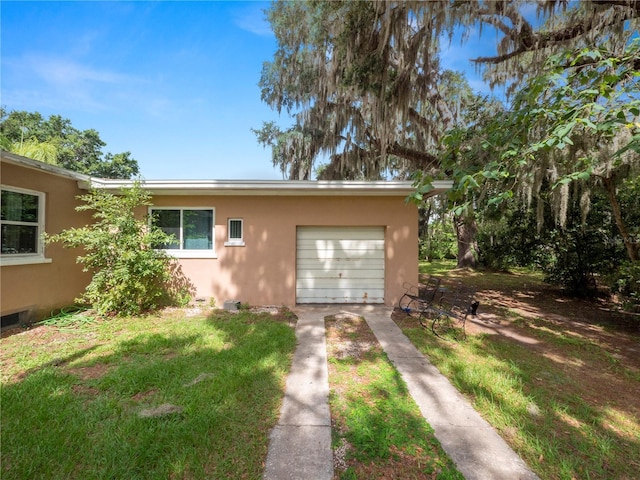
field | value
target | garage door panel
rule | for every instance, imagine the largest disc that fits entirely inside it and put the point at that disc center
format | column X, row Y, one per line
column 340, row 296
column 337, row 233
column 341, row 245
column 354, row 275
column 337, row 264
column 340, row 283
column 341, row 255
column 340, row 265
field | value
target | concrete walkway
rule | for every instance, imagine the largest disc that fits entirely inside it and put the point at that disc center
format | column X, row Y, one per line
column 300, row 445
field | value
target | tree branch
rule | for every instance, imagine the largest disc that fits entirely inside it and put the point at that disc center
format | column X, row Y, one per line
column 421, row 160
column 535, row 41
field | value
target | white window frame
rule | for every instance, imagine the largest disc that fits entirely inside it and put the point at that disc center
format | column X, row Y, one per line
column 189, row 253
column 27, row 258
column 235, row 242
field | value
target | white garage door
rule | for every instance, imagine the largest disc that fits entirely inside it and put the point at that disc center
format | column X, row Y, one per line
column 340, row 265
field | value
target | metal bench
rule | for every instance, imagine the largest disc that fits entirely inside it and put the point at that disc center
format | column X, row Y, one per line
column 442, row 307
column 417, row 297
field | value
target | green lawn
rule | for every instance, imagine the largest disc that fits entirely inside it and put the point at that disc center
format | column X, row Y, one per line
column 378, row 430
column 178, row 396
column 156, row 397
column 437, row 267
column 562, row 390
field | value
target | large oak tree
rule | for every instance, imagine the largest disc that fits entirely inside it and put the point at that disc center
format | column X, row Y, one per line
column 365, row 82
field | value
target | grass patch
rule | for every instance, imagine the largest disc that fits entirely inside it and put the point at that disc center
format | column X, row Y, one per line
column 378, row 431
column 436, row 267
column 563, row 399
column 154, row 397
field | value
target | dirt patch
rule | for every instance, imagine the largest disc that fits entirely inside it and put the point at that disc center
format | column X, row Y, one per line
column 546, row 309
column 515, row 306
column 90, row 373
column 348, row 338
column 144, row 396
column 83, row 390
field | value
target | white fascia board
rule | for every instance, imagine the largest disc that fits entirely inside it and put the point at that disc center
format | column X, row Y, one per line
column 14, row 159
column 235, row 187
column 269, row 187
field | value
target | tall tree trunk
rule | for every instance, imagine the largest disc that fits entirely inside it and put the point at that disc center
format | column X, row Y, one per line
column 466, row 230
column 610, row 187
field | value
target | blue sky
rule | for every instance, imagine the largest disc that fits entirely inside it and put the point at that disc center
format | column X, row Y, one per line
column 174, row 83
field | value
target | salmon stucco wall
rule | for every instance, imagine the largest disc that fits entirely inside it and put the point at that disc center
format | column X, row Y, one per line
column 263, row 271
column 39, row 288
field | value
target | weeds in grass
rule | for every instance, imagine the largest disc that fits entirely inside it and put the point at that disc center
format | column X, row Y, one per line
column 152, row 397
column 373, row 415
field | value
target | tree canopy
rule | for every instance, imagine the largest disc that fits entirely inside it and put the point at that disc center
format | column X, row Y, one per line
column 54, row 140
column 366, row 86
column 365, row 81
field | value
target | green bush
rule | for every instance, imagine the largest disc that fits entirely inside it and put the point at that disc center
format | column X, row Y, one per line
column 626, row 282
column 439, row 243
column 508, row 238
column 129, row 275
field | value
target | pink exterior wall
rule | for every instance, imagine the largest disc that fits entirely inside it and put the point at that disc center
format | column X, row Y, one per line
column 263, row 272
column 39, row 288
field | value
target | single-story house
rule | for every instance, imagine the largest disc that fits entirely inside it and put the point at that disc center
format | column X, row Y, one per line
column 257, row 242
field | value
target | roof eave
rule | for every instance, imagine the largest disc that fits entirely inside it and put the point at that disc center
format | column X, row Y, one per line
column 19, row 160
column 269, row 187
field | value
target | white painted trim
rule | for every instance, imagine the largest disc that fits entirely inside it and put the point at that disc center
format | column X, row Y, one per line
column 14, row 159
column 269, row 187
column 189, row 253
column 23, row 260
column 38, row 256
column 192, row 253
column 236, row 187
column 234, row 241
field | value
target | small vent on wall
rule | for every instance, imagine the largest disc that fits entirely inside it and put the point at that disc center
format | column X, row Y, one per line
column 11, row 320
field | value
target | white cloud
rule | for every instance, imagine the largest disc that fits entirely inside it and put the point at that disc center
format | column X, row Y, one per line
column 55, row 82
column 253, row 19
column 68, row 73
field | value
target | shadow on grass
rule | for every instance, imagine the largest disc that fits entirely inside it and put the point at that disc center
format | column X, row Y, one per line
column 375, row 414
column 225, row 379
column 545, row 407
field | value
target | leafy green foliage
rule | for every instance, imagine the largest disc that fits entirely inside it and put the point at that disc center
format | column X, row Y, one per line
column 508, row 237
column 437, row 235
column 56, row 141
column 550, row 180
column 585, row 94
column 439, row 243
column 129, row 275
column 626, row 282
